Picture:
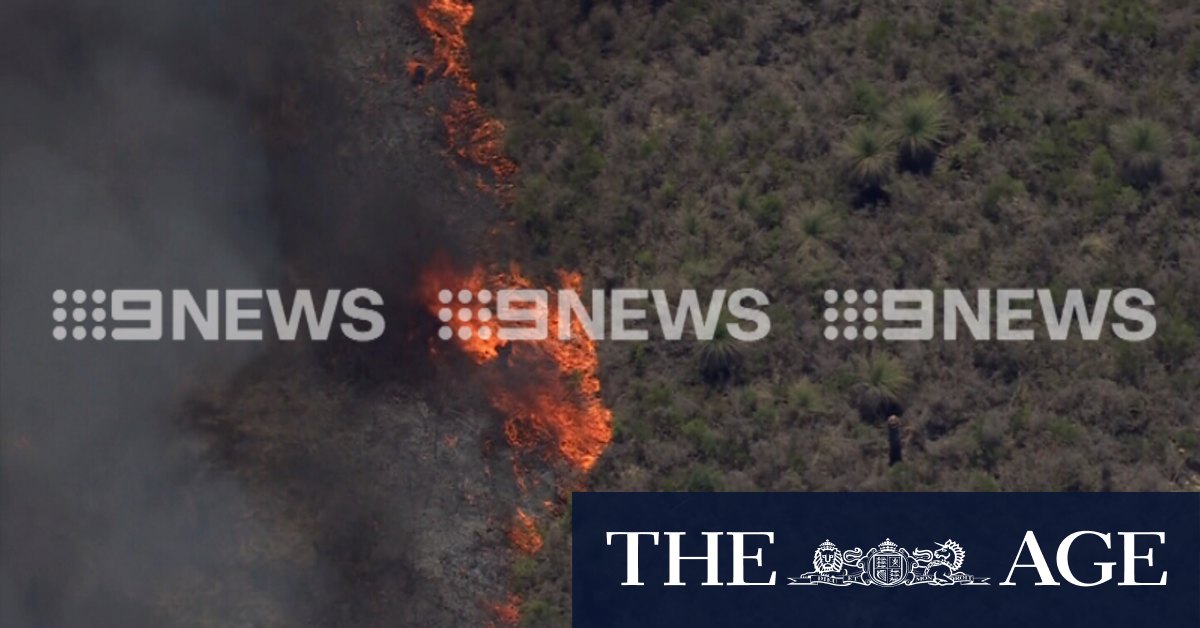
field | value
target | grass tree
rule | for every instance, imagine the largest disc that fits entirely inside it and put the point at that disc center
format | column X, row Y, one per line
column 868, row 155
column 867, row 152
column 720, row 358
column 1140, row 145
column 919, row 123
column 882, row 380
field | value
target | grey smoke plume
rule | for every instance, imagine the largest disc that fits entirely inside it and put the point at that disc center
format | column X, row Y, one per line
column 126, row 160
column 163, row 144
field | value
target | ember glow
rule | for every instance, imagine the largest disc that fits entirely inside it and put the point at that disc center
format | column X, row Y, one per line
column 566, row 411
column 508, row 613
column 547, row 390
column 472, row 134
column 524, row 534
column 562, row 408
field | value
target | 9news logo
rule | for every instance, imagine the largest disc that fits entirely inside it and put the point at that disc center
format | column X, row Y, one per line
column 238, row 314
column 1004, row 314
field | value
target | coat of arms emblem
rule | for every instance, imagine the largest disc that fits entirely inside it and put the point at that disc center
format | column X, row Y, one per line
column 888, row 565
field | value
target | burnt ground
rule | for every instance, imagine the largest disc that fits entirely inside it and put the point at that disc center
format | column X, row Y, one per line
column 172, row 145
column 379, row 475
column 381, row 506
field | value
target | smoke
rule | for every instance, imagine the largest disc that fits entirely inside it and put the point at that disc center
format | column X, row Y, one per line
column 175, row 144
column 128, row 160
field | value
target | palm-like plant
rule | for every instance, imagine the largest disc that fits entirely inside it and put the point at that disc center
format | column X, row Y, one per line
column 920, row 124
column 720, row 358
column 867, row 152
column 882, row 380
column 1140, row 144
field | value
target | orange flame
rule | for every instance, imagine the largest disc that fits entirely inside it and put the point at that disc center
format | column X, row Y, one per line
column 483, row 347
column 524, row 533
column 508, row 613
column 472, row 134
column 563, row 410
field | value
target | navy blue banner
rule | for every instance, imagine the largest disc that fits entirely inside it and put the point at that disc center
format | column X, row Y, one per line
column 963, row 560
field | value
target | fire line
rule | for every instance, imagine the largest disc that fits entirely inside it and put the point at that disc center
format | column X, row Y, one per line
column 471, row 133
column 561, row 414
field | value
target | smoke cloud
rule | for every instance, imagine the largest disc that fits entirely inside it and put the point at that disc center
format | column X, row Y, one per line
column 171, row 144
column 127, row 161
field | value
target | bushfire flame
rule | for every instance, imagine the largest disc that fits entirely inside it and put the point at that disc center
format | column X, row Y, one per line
column 555, row 405
column 471, row 133
column 556, row 408
column 508, row 613
column 524, row 533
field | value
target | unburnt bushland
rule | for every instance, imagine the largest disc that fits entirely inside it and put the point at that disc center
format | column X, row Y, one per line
column 696, row 143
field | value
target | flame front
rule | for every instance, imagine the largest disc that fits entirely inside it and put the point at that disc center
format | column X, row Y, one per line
column 547, row 390
column 524, row 533
column 508, row 613
column 558, row 405
column 471, row 133
column 564, row 409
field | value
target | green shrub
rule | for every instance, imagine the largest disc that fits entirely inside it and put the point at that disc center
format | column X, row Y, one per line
column 703, row 479
column 990, row 447
column 769, row 211
column 1191, row 56
column 1110, row 196
column 1188, row 442
column 818, row 223
column 1003, row 188
column 1095, row 246
column 814, row 221
column 1131, row 363
column 536, row 612
column 1128, row 20
column 1102, row 164
column 805, row 395
column 659, row 396
column 631, row 426
column 702, row 438
column 525, row 571
column 1064, row 430
column 877, row 37
column 965, row 153
column 1044, row 25
column 1175, row 342
column 983, row 482
column 1051, row 152
column 866, row 101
